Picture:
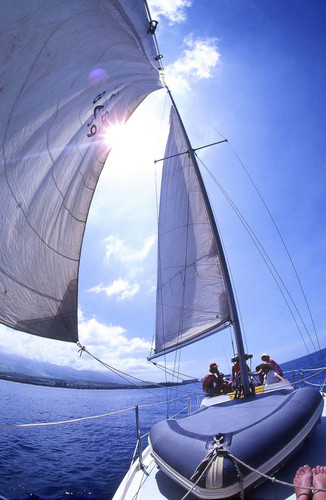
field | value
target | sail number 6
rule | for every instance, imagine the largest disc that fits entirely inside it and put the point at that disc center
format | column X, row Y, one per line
column 97, row 109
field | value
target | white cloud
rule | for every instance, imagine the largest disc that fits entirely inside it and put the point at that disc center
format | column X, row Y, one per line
column 112, row 338
column 121, row 288
column 33, row 347
column 174, row 10
column 94, row 333
column 197, row 61
column 116, row 247
column 109, row 343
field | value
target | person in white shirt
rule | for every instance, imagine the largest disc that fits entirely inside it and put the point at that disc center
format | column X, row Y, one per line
column 270, row 375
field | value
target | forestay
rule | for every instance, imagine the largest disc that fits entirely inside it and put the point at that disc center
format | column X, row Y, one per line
column 192, row 297
column 68, row 70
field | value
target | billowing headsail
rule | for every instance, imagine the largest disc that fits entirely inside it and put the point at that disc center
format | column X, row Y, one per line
column 68, row 70
column 192, row 298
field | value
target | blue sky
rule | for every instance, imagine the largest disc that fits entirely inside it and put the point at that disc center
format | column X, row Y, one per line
column 253, row 72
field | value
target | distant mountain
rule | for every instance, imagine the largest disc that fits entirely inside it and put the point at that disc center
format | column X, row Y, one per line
column 10, row 363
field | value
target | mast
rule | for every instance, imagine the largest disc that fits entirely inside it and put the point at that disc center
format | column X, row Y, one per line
column 233, row 309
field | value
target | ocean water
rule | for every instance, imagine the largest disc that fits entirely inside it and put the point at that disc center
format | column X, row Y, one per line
column 87, row 458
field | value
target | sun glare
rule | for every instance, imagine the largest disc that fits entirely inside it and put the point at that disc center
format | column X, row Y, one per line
column 114, row 134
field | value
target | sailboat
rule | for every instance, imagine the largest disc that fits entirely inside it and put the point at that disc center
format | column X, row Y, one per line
column 222, row 450
column 62, row 88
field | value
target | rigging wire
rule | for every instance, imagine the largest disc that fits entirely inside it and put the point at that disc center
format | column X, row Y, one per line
column 127, row 376
column 275, row 274
column 256, row 241
column 171, row 372
column 280, row 237
column 283, row 243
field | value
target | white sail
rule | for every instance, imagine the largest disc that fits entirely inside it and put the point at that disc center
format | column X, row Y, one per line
column 68, row 70
column 192, row 298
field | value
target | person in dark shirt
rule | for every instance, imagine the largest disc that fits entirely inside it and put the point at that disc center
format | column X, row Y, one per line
column 266, row 359
column 268, row 374
column 211, row 383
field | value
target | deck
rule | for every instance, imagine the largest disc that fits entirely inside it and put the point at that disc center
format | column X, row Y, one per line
column 152, row 483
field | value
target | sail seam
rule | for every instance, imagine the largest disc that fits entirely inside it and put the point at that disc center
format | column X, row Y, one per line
column 5, row 273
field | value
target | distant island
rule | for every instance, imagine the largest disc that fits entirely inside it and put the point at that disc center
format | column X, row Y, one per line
column 23, row 378
column 79, row 384
column 34, row 372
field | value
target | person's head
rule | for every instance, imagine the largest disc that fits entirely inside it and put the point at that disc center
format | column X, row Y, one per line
column 265, row 358
column 213, row 368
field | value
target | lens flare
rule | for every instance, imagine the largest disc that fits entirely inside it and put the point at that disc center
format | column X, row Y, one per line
column 97, row 76
column 113, row 134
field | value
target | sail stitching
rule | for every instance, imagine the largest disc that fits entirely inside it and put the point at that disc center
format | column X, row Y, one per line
column 41, row 294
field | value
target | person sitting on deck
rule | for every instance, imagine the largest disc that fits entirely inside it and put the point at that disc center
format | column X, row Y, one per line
column 236, row 374
column 211, row 383
column 266, row 359
column 269, row 374
column 224, row 384
column 257, row 380
column 310, row 483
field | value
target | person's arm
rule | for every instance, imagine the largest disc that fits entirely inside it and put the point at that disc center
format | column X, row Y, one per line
column 255, row 373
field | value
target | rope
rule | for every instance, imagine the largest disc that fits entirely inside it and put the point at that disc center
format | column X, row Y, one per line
column 60, row 422
column 307, row 370
column 206, row 463
column 127, row 376
column 314, row 375
column 42, row 424
column 201, row 475
column 218, row 450
column 321, row 386
column 183, row 409
column 319, row 370
column 304, row 380
column 172, row 372
column 265, row 476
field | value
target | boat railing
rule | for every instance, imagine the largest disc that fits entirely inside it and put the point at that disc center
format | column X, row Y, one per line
column 189, row 408
column 315, row 377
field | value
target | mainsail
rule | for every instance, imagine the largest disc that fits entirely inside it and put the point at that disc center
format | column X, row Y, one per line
column 68, row 71
column 192, row 298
